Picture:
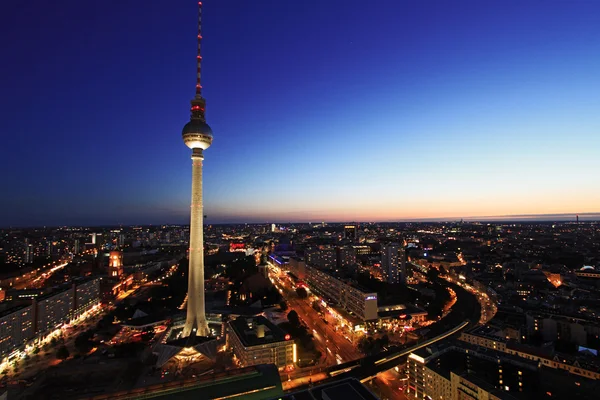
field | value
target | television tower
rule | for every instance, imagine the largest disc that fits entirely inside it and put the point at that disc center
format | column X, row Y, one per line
column 197, row 135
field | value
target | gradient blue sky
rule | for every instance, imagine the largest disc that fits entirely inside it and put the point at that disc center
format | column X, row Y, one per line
column 322, row 110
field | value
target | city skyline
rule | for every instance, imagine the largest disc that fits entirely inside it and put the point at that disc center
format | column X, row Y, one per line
column 391, row 112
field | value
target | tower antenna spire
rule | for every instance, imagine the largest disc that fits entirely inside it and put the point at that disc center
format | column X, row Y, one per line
column 199, row 55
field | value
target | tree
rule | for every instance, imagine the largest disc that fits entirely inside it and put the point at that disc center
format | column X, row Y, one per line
column 83, row 343
column 301, row 293
column 62, row 353
column 385, row 341
column 316, row 306
column 283, row 305
column 294, row 319
column 432, row 274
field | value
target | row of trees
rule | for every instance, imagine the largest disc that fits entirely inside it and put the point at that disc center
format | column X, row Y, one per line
column 369, row 346
column 307, row 352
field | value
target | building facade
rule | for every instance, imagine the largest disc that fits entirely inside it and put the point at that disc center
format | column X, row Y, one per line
column 16, row 328
column 256, row 340
column 46, row 313
column 353, row 299
column 389, row 262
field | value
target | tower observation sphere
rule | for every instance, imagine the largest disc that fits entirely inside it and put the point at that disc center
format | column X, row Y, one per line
column 197, row 134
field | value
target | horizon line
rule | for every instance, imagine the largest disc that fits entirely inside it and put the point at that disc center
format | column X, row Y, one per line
column 586, row 216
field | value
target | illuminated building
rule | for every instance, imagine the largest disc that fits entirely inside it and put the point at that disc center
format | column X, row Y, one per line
column 54, row 309
column 29, row 254
column 457, row 370
column 237, row 247
column 198, row 136
column 27, row 323
column 581, row 366
column 115, row 264
column 256, row 340
column 321, row 257
column 76, row 247
column 16, row 328
column 389, row 262
column 87, row 295
column 350, row 297
column 346, row 256
column 350, row 232
column 362, row 250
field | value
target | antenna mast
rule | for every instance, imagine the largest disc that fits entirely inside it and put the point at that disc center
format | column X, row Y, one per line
column 199, row 56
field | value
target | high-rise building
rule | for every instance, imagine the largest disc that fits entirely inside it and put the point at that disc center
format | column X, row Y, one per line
column 351, row 232
column 325, row 258
column 93, row 238
column 198, row 136
column 402, row 263
column 28, row 252
column 389, row 262
column 346, row 256
column 76, row 247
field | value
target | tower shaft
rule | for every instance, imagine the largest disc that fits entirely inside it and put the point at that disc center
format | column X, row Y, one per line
column 196, row 318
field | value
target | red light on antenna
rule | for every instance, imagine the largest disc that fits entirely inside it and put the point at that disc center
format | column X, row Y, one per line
column 288, row 337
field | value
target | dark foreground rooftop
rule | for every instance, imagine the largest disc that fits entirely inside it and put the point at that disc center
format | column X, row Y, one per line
column 344, row 389
column 259, row 382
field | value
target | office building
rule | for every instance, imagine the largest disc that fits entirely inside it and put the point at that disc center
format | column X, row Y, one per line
column 351, row 232
column 456, row 372
column 28, row 253
column 389, row 262
column 346, row 295
column 322, row 257
column 346, row 256
column 459, row 370
column 16, row 328
column 256, row 340
column 47, row 312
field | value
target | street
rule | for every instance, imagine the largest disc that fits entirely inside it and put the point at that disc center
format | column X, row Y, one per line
column 335, row 346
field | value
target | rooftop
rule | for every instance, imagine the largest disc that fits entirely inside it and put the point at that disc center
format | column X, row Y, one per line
column 345, row 389
column 246, row 329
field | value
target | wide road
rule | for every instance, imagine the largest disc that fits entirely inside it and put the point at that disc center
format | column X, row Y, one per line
column 335, row 346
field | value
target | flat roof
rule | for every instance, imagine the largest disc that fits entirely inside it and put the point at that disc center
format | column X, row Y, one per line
column 247, row 336
column 255, row 382
column 344, row 389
